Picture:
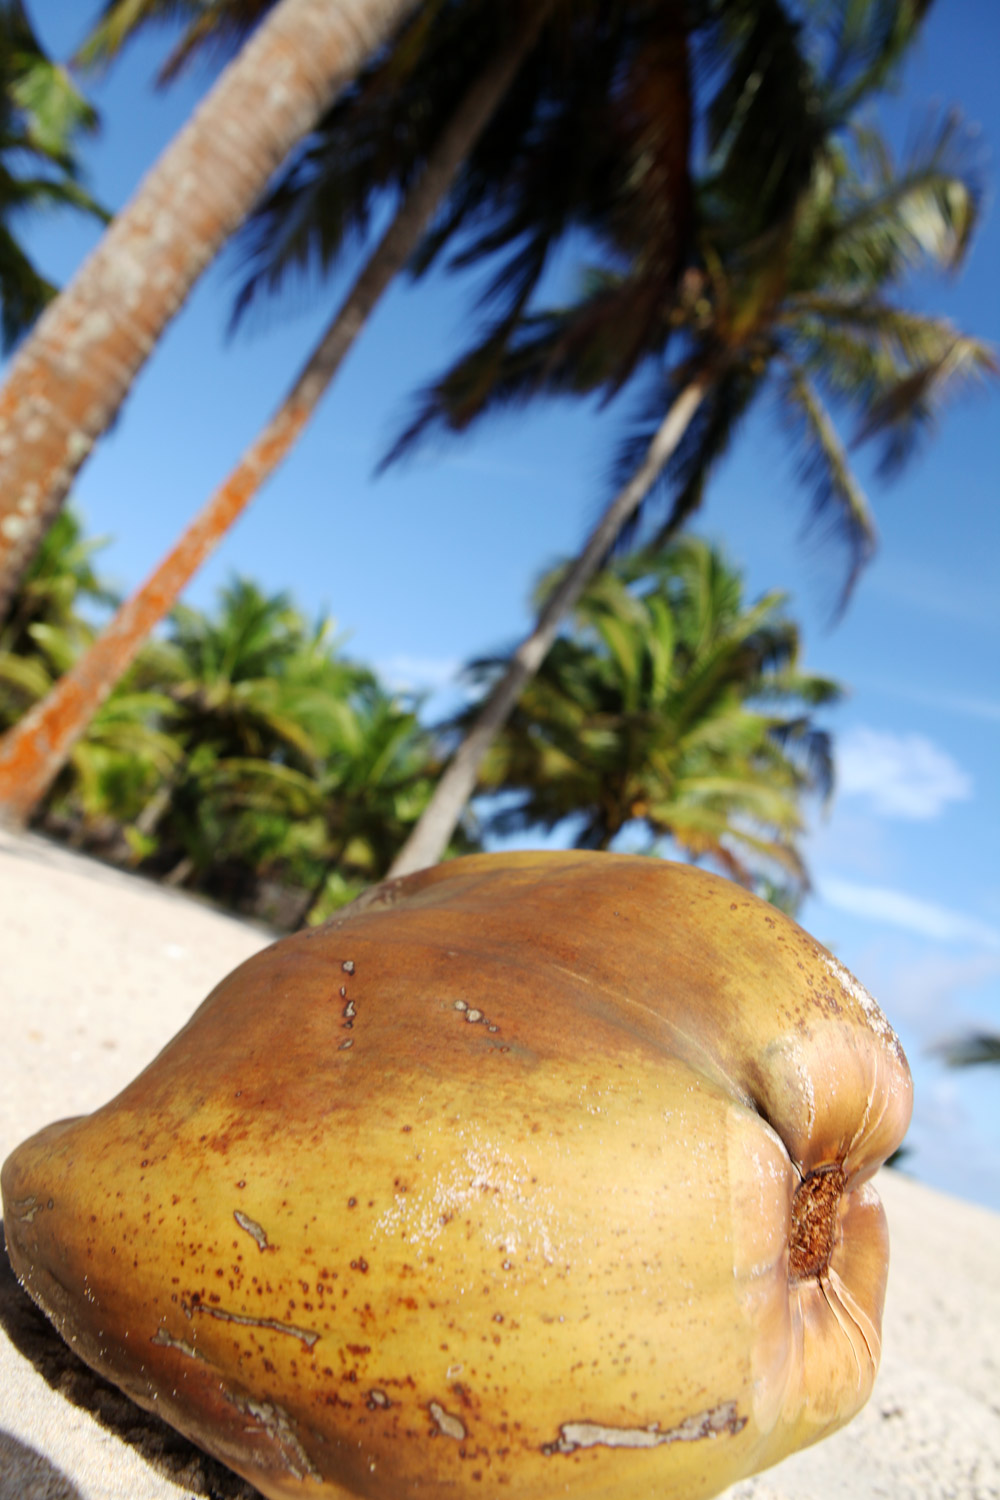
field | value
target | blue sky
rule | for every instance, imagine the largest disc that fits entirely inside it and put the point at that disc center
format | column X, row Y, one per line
column 433, row 563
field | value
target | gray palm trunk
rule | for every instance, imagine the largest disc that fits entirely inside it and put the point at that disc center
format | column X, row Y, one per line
column 34, row 751
column 431, row 835
column 72, row 374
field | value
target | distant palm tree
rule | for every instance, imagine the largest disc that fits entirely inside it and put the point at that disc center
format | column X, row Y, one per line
column 345, row 820
column 42, row 113
column 804, row 311
column 244, row 683
column 298, row 768
column 70, row 378
column 669, row 709
column 377, row 776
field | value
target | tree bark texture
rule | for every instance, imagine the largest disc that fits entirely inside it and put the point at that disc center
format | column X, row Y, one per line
column 75, row 369
column 34, row 751
column 440, row 818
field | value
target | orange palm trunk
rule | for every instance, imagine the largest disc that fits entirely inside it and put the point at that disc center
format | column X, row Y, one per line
column 74, row 371
column 34, row 751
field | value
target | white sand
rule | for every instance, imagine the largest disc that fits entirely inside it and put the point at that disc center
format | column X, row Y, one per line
column 98, row 970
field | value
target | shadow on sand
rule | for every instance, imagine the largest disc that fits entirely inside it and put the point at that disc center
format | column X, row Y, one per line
column 26, row 1474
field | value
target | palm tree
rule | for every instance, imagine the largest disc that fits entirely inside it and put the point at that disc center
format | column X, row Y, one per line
column 344, row 821
column 969, row 1051
column 71, row 376
column 246, row 683
column 602, row 103
column 536, row 173
column 113, row 771
column 535, row 168
column 46, row 631
column 299, row 771
column 670, row 709
column 378, row 773
column 31, row 755
column 41, row 115
column 803, row 310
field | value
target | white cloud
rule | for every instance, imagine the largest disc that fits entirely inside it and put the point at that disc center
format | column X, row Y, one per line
column 952, row 703
column 928, row 588
column 896, row 909
column 901, row 775
column 977, row 708
column 416, row 674
column 944, row 993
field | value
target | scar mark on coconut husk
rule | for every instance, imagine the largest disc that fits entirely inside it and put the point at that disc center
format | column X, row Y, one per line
column 167, row 1341
column 704, row 1424
column 309, row 1336
column 474, row 1015
column 276, row 1422
column 447, row 1423
column 253, row 1229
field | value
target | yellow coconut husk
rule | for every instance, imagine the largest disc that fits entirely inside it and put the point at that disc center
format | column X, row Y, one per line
column 529, row 1175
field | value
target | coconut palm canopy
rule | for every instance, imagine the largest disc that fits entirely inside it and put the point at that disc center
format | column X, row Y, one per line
column 813, row 310
column 606, row 88
column 278, row 731
column 672, row 709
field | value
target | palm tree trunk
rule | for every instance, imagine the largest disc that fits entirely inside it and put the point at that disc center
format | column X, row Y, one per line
column 72, row 374
column 32, row 753
column 151, row 815
column 431, row 835
column 315, row 895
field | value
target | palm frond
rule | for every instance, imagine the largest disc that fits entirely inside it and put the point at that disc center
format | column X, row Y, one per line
column 214, row 29
column 869, row 42
column 908, row 410
column 765, row 121
column 922, row 215
column 838, row 501
column 54, row 111
column 972, row 1050
column 811, row 747
column 569, row 351
column 42, row 116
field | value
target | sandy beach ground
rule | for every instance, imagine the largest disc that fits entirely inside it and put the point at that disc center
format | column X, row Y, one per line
column 98, row 970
